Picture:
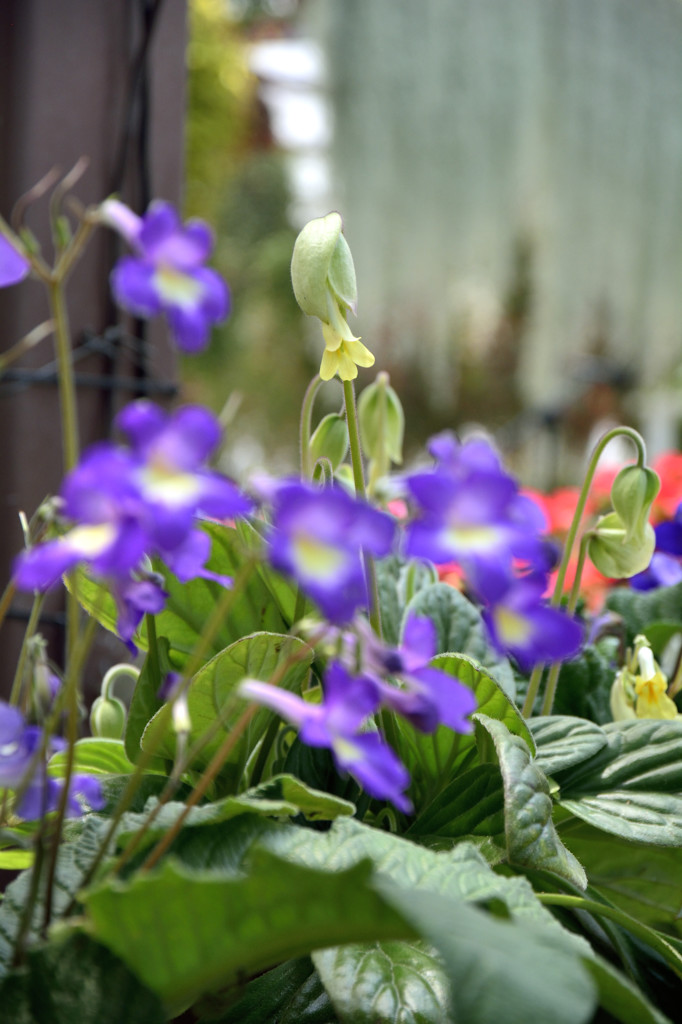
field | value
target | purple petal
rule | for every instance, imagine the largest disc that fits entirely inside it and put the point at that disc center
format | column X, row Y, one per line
column 377, row 768
column 159, row 224
column 44, row 565
column 191, row 328
column 132, row 282
column 141, row 422
column 189, row 558
column 215, row 301
column 13, row 266
column 122, row 219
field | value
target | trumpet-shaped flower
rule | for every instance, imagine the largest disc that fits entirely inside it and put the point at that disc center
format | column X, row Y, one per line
column 470, row 511
column 336, row 724
column 125, row 504
column 19, row 745
column 640, row 689
column 428, row 697
column 524, row 625
column 318, row 536
column 14, row 266
column 167, row 273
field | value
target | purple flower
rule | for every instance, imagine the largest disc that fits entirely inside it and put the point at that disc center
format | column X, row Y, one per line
column 167, row 274
column 318, row 536
column 174, row 484
column 336, row 724
column 44, row 792
column 471, row 512
column 521, row 623
column 665, row 568
column 19, row 744
column 126, row 504
column 428, row 697
column 14, row 267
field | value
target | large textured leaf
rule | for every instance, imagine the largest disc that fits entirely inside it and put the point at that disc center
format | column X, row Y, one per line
column 280, row 797
column 499, row 970
column 96, row 757
column 257, row 657
column 562, row 741
column 74, row 860
column 76, row 981
column 532, row 839
column 434, row 758
column 393, row 982
column 461, row 630
column 632, row 787
column 645, row 881
column 584, row 685
column 289, row 994
column 641, row 608
column 471, row 805
column 187, row 932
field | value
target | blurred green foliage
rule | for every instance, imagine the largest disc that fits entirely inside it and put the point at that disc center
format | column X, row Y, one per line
column 236, row 180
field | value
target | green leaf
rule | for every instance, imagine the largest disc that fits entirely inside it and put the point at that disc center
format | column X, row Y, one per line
column 189, row 605
column 16, row 860
column 77, row 981
column 532, row 840
column 145, row 702
column 98, row 602
column 94, row 756
column 282, row 796
column 187, row 932
column 392, row 982
column 632, row 787
column 645, row 881
column 563, row 740
column 585, row 685
column 620, row 997
column 282, row 590
column 256, row 656
column 74, row 860
column 471, row 805
column 460, row 630
column 639, row 608
column 501, row 970
column 289, row 994
column 433, row 759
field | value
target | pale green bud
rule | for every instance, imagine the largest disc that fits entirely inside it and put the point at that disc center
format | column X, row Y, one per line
column 618, row 552
column 108, row 718
column 382, row 421
column 632, row 495
column 330, row 440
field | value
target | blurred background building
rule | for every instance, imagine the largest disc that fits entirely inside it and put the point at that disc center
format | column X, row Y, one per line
column 510, row 177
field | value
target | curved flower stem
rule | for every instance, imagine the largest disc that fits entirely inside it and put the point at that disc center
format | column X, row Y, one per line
column 23, row 654
column 67, row 386
column 553, row 675
column 631, row 924
column 306, row 425
column 638, row 441
column 359, row 480
column 72, row 689
column 220, row 612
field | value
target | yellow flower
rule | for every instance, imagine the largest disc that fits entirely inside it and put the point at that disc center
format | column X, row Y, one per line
column 651, row 688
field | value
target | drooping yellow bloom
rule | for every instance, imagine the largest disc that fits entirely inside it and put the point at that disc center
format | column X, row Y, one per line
column 640, row 690
column 323, row 277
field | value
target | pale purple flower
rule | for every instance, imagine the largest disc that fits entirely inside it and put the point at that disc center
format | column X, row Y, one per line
column 428, row 697
column 665, row 568
column 19, row 745
column 14, row 266
column 167, row 273
column 470, row 511
column 318, row 536
column 521, row 623
column 336, row 724
column 125, row 504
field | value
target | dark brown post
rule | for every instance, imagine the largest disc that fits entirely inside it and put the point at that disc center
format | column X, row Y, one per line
column 105, row 80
